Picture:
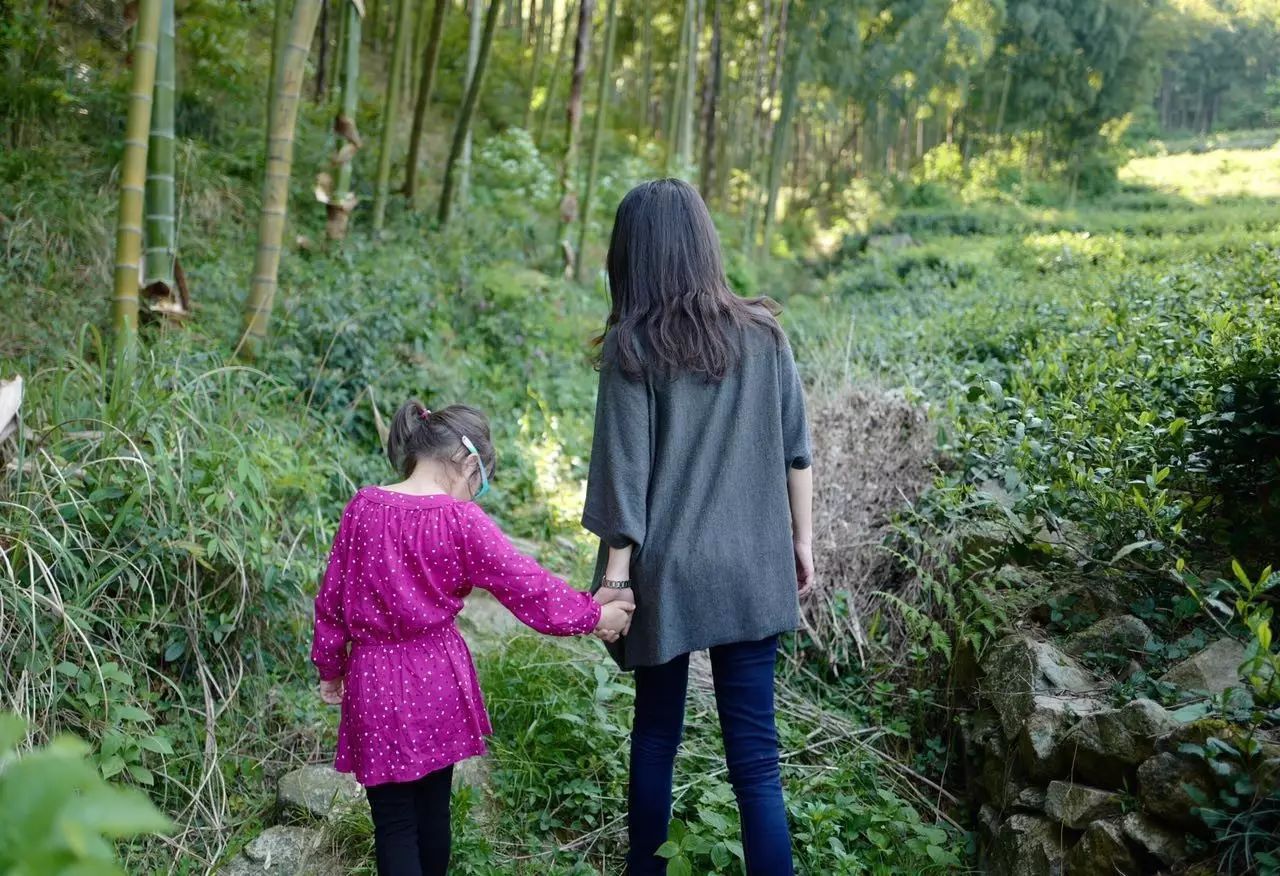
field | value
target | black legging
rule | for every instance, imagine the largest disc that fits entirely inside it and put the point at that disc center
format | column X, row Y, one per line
column 411, row 825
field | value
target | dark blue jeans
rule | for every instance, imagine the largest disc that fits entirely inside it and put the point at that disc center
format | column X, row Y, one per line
column 744, row 698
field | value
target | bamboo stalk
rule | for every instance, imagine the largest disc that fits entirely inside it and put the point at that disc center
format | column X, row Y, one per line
column 573, row 121
column 597, row 133
column 342, row 200
column 161, row 237
column 275, row 184
column 463, row 129
column 423, row 100
column 390, row 114
column 133, row 172
column 556, row 67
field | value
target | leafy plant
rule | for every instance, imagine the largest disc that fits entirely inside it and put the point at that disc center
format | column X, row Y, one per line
column 59, row 815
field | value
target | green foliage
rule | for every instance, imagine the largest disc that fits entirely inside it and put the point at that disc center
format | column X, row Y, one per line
column 1243, row 811
column 60, row 816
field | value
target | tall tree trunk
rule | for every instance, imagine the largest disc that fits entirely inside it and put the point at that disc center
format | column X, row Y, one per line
column 133, row 176
column 462, row 132
column 573, row 120
column 536, row 68
column 711, row 99
column 390, row 115
column 161, row 227
column 323, row 55
column 341, row 199
column 556, row 67
column 755, row 105
column 674, row 115
column 423, row 100
column 597, row 133
column 279, row 33
column 685, row 150
column 1004, row 98
column 768, row 127
column 275, row 185
column 646, row 76
column 473, row 56
column 778, row 153
column 535, row 72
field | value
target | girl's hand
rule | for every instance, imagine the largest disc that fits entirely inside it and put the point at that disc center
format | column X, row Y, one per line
column 607, row 595
column 804, row 566
column 615, row 620
column 331, row 691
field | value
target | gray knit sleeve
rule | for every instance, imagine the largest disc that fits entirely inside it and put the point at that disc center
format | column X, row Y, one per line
column 795, row 421
column 618, row 480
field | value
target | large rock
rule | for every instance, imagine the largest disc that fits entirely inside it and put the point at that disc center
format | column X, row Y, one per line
column 1077, row 806
column 1123, row 635
column 1105, row 747
column 1102, row 851
column 1163, row 781
column 1153, row 840
column 284, row 851
column 318, row 791
column 1019, row 669
column 1027, row 845
column 1041, row 742
column 1213, row 670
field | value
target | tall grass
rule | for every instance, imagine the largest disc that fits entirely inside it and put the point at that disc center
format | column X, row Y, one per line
column 153, row 565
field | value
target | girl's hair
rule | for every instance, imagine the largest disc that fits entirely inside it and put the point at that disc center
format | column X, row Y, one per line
column 671, row 301
column 418, row 433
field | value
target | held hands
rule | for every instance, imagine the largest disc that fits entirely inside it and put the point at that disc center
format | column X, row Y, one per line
column 331, row 691
column 615, row 614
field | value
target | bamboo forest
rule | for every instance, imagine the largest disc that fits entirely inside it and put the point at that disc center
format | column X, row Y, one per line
column 1026, row 254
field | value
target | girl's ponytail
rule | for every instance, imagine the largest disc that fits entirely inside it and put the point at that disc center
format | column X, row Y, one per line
column 406, row 435
column 417, row 432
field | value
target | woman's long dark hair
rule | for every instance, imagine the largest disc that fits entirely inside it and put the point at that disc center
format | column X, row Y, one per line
column 671, row 302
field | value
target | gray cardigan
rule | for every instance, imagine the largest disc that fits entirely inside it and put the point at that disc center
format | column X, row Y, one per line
column 694, row 474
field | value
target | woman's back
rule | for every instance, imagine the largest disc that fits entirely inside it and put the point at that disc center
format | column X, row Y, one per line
column 693, row 471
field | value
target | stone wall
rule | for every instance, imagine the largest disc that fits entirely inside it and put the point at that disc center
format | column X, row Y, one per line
column 1066, row 779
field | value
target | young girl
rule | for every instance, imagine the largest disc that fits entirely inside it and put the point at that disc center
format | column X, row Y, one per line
column 386, row 644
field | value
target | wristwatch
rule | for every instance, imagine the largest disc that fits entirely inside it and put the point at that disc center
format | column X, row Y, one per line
column 610, row 584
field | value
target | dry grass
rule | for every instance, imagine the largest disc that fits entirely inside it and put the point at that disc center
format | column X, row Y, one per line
column 873, row 455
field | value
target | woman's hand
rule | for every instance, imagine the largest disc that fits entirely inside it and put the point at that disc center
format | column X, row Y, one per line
column 331, row 691
column 804, row 566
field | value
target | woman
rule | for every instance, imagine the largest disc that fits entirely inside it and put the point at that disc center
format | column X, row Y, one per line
column 701, row 491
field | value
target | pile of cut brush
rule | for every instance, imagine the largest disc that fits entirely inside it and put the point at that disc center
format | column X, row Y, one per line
column 873, row 457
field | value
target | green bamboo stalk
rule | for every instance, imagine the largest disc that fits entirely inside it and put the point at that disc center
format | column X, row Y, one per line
column 597, row 133
column 279, row 33
column 573, row 121
column 677, row 94
column 778, row 153
column 133, row 173
column 473, row 58
column 275, row 184
column 423, row 100
column 685, row 150
column 342, row 200
column 161, row 236
column 463, row 129
column 390, row 114
column 536, row 69
column 556, row 67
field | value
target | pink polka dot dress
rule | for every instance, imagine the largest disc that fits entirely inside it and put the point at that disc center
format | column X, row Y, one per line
column 385, row 622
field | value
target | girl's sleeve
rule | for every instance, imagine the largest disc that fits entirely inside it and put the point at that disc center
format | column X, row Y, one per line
column 329, row 640
column 539, row 599
column 795, row 422
column 618, row 480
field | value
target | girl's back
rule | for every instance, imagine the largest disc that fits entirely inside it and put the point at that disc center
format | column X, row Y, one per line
column 400, row 568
